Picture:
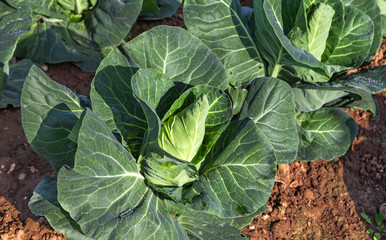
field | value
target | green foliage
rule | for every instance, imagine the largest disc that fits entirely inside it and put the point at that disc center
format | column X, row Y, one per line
column 13, row 25
column 380, row 230
column 158, row 152
column 80, row 31
column 308, row 44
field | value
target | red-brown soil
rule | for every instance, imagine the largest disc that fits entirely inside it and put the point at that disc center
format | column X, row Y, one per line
column 317, row 200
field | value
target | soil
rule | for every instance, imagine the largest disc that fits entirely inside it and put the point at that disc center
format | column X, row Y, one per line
column 310, row 200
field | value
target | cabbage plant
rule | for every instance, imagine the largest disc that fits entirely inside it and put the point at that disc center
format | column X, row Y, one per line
column 13, row 24
column 308, row 44
column 79, row 31
column 158, row 151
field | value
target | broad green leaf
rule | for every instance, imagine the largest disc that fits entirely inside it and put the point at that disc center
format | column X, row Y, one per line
column 243, row 221
column 336, row 29
column 270, row 104
column 113, row 101
column 372, row 80
column 293, row 12
column 326, row 133
column 237, row 175
column 357, row 98
column 159, row 167
column 109, row 22
column 44, row 203
column 56, row 38
column 182, row 134
column 52, row 43
column 336, row 94
column 303, row 74
column 179, row 55
column 12, row 27
column 274, row 46
column 308, row 100
column 370, row 8
column 238, row 96
column 228, row 36
column 319, row 25
column 166, row 8
column 355, row 41
column 203, row 226
column 219, row 114
column 14, row 83
column 154, row 88
column 106, row 195
column 5, row 9
column 49, row 112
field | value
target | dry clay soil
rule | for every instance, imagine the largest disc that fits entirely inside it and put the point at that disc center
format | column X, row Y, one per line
column 310, row 200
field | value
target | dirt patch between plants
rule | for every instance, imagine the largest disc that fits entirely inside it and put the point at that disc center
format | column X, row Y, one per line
column 317, row 200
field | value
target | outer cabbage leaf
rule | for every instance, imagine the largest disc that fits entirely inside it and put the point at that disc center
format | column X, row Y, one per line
column 308, row 100
column 370, row 8
column 5, row 9
column 179, row 55
column 243, row 221
column 44, row 202
column 238, row 96
column 328, row 128
column 14, row 83
column 106, row 184
column 113, row 101
column 12, row 26
column 270, row 103
column 294, row 16
column 156, row 89
column 52, row 43
column 372, row 80
column 355, row 41
column 49, row 113
column 55, row 37
column 356, row 98
column 237, row 175
column 203, row 226
column 222, row 27
column 44, row 7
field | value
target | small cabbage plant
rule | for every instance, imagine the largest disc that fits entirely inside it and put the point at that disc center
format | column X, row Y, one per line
column 81, row 31
column 309, row 44
column 13, row 24
column 159, row 152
